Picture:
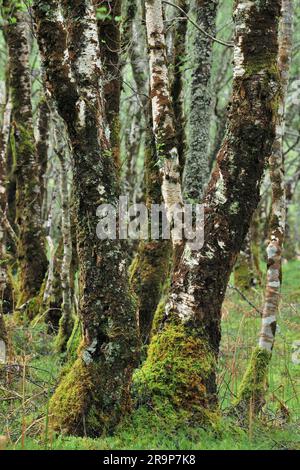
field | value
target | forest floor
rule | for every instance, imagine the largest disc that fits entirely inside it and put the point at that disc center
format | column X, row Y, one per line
column 24, row 395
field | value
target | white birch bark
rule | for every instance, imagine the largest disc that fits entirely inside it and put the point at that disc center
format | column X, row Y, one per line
column 163, row 119
column 278, row 215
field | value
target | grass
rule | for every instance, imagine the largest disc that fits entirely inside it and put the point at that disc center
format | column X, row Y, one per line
column 24, row 393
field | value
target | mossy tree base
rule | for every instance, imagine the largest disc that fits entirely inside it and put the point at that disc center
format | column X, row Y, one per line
column 88, row 401
column 251, row 393
column 179, row 373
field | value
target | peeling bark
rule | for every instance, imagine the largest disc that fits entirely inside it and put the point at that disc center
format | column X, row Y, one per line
column 162, row 113
column 276, row 168
column 66, row 320
column 94, row 395
column 192, row 315
column 150, row 268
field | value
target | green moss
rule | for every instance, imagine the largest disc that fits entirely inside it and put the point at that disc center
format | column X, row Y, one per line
column 243, row 275
column 253, row 386
column 74, row 341
column 176, row 373
column 70, row 401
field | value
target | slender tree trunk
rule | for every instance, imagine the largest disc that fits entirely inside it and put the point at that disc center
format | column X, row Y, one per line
column 196, row 171
column 4, row 136
column 94, row 395
column 162, row 113
column 110, row 45
column 179, row 54
column 30, row 250
column 151, row 266
column 66, row 321
column 253, row 386
column 42, row 148
column 180, row 369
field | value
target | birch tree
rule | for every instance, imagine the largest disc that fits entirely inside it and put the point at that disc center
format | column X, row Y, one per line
column 180, row 369
column 94, row 394
column 252, row 389
column 30, row 248
column 151, row 265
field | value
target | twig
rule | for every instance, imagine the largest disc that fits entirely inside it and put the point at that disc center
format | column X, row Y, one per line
column 245, row 298
column 219, row 41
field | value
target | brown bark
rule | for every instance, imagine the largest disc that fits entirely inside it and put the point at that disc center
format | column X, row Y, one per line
column 110, row 45
column 191, row 318
column 94, row 395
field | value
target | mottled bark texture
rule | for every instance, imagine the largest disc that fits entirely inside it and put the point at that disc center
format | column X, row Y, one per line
column 94, row 394
column 109, row 18
column 42, row 148
column 179, row 54
column 162, row 112
column 150, row 268
column 196, row 172
column 5, row 288
column 31, row 256
column 66, row 321
column 255, row 395
column 244, row 277
column 180, row 369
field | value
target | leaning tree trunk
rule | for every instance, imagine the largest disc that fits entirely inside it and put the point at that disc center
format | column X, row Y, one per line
column 94, row 394
column 253, row 386
column 196, row 171
column 180, row 369
column 31, row 256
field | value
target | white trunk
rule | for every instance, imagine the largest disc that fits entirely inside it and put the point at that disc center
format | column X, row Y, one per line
column 278, row 215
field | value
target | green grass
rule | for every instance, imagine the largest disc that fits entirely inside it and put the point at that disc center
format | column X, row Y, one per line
column 25, row 408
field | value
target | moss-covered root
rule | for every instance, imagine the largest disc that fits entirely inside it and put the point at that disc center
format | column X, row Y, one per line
column 90, row 399
column 251, row 393
column 179, row 374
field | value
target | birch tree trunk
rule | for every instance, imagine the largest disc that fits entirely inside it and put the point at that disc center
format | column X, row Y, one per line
column 150, row 268
column 4, row 136
column 180, row 369
column 162, row 113
column 196, row 171
column 30, row 249
column 66, row 320
column 94, row 395
column 253, row 386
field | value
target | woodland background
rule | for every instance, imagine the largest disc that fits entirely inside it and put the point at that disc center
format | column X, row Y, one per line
column 68, row 307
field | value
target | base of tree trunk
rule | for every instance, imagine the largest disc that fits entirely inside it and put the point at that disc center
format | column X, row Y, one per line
column 251, row 393
column 90, row 399
column 180, row 373
column 149, row 271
